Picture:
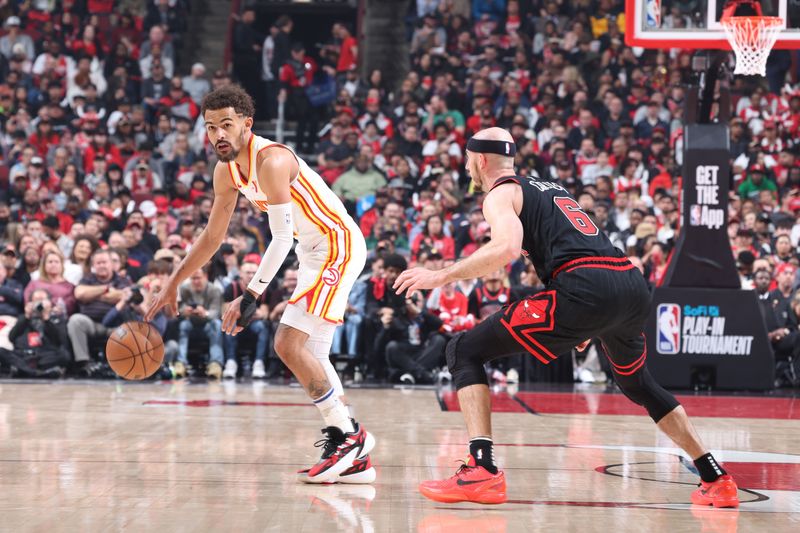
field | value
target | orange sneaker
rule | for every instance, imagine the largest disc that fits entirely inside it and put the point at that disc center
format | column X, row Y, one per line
column 471, row 483
column 719, row 493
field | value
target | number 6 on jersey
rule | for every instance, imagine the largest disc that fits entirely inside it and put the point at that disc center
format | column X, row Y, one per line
column 577, row 216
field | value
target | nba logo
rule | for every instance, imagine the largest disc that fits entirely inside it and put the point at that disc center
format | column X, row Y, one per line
column 669, row 328
column 653, row 13
column 694, row 215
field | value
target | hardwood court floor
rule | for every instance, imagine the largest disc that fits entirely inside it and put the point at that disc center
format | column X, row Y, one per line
column 180, row 457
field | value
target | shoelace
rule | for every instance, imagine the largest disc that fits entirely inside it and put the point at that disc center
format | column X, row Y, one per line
column 328, row 444
column 464, row 468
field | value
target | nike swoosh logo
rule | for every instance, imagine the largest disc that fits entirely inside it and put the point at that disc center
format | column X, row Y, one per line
column 535, row 315
column 262, row 281
column 462, row 482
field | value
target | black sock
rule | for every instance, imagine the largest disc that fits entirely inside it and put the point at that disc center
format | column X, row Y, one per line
column 709, row 468
column 481, row 450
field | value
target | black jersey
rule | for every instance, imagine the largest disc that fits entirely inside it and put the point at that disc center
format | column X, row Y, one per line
column 555, row 228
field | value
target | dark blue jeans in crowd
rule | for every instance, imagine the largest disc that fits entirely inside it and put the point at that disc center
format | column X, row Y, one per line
column 212, row 329
column 347, row 337
column 257, row 328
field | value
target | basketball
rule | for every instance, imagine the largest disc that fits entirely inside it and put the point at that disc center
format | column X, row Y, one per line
column 135, row 350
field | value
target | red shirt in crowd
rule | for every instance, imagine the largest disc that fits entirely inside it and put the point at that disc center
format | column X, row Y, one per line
column 42, row 144
column 453, row 312
column 89, row 48
column 110, row 151
column 185, row 104
column 65, row 221
column 100, row 6
column 443, row 244
column 347, row 58
column 298, row 75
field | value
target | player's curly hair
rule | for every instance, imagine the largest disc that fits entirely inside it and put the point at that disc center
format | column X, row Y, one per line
column 229, row 96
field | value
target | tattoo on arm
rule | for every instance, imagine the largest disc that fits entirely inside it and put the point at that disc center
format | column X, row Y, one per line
column 318, row 387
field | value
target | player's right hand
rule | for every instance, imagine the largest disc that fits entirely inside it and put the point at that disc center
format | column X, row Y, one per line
column 166, row 297
column 231, row 316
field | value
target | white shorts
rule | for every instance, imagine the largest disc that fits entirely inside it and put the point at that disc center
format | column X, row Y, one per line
column 326, row 276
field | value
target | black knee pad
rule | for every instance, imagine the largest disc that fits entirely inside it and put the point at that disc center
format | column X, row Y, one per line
column 642, row 389
column 465, row 363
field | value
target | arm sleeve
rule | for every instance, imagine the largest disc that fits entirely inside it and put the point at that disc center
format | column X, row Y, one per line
column 280, row 225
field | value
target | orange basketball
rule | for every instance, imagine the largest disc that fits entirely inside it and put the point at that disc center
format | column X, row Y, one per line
column 135, row 350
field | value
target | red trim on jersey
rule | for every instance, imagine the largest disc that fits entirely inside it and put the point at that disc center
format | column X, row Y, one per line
column 503, row 181
column 279, row 145
column 609, row 263
column 627, row 370
column 522, row 322
column 531, row 350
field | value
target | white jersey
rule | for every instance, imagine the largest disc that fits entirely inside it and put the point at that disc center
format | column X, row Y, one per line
column 331, row 248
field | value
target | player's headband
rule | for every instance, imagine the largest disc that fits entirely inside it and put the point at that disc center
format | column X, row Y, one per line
column 492, row 147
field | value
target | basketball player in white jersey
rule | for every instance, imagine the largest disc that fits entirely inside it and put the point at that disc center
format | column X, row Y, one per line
column 331, row 251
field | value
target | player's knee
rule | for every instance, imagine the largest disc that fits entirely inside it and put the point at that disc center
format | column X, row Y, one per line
column 285, row 346
column 643, row 390
column 465, row 363
column 392, row 347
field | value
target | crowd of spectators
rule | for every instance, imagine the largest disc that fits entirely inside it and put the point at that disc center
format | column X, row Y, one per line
column 106, row 170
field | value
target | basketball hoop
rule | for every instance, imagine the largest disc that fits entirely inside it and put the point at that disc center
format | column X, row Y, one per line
column 752, row 39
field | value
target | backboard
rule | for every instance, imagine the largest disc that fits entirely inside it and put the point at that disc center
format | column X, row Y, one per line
column 681, row 24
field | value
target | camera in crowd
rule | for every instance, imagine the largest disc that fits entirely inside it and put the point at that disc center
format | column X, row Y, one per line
column 136, row 297
column 416, row 299
column 38, row 310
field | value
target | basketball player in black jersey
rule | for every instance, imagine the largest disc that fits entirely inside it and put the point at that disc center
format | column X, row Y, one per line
column 591, row 290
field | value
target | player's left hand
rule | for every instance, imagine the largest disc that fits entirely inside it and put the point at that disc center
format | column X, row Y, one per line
column 231, row 317
column 418, row 278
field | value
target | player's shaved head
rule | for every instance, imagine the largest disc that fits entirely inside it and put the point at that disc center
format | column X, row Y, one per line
column 483, row 165
column 494, row 134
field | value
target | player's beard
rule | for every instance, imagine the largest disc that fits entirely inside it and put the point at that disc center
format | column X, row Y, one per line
column 232, row 153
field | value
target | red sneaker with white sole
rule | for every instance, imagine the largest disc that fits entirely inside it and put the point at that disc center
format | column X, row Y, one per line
column 345, row 458
column 471, row 483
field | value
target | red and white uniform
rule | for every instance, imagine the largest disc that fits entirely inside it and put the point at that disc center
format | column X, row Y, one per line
column 331, row 249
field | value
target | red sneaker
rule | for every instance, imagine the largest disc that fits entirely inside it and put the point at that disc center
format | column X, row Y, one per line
column 719, row 493
column 340, row 451
column 471, row 483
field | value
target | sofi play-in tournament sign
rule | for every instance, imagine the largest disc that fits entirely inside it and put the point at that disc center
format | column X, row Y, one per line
column 702, row 337
column 704, row 330
column 697, row 330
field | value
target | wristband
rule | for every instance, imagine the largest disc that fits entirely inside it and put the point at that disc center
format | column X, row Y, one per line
column 247, row 309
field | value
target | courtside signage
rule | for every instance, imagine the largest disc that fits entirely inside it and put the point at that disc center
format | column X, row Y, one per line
column 696, row 329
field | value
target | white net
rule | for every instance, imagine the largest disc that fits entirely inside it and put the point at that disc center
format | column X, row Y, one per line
column 752, row 39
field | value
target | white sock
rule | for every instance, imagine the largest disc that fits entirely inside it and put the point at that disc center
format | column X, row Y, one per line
column 334, row 412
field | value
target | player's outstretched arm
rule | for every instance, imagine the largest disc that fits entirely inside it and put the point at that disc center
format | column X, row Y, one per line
column 274, row 178
column 505, row 246
column 225, row 196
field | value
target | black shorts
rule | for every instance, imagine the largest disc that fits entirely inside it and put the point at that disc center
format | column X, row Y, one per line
column 606, row 298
